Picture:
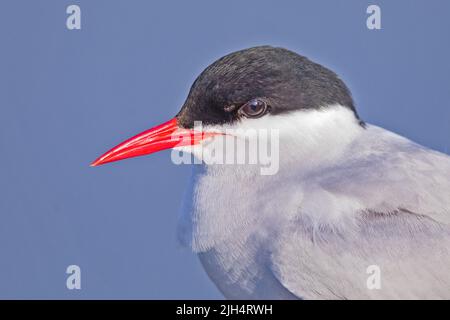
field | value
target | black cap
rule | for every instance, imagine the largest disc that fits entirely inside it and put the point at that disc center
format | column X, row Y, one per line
column 285, row 80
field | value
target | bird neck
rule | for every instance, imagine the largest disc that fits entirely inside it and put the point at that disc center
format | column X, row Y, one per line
column 233, row 202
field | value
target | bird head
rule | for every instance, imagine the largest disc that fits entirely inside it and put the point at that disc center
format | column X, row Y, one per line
column 260, row 88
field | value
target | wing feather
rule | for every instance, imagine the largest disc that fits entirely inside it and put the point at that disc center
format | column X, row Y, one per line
column 385, row 206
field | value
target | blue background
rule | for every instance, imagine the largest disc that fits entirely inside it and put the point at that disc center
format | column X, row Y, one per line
column 67, row 96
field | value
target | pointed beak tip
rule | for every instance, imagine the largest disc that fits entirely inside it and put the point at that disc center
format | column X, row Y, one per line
column 96, row 163
column 165, row 136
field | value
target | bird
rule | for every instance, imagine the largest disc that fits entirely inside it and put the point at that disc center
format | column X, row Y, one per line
column 354, row 211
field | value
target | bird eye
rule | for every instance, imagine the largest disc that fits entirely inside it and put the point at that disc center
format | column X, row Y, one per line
column 254, row 108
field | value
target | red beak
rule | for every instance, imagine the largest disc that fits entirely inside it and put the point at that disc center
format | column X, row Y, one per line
column 165, row 136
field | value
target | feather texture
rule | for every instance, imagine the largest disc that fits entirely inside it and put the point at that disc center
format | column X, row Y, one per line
column 345, row 198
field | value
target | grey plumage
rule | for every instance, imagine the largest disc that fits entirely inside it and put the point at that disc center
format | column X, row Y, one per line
column 346, row 196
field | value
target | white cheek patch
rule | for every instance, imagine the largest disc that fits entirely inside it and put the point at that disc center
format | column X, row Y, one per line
column 234, row 147
column 299, row 136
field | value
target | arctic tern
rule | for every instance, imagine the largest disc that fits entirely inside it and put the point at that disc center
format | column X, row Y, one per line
column 347, row 196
